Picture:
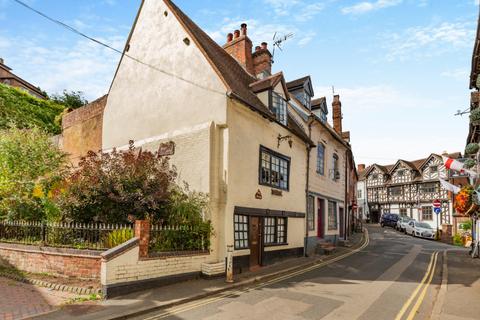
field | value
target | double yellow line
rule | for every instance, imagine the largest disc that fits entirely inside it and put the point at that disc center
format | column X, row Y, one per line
column 421, row 288
column 229, row 294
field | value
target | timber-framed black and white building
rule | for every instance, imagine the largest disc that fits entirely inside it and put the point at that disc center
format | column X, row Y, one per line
column 409, row 188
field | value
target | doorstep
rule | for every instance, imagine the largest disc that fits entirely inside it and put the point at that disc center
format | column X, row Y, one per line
column 139, row 303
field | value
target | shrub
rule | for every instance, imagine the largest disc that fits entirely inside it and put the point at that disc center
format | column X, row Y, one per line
column 21, row 110
column 457, row 240
column 117, row 237
column 109, row 187
column 31, row 171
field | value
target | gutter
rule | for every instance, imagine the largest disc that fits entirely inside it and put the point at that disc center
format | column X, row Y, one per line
column 345, row 210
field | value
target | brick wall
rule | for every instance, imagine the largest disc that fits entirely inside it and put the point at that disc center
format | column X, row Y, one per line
column 59, row 262
column 129, row 267
column 82, row 129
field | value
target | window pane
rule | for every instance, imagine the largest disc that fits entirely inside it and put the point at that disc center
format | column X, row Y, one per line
column 240, row 231
column 274, row 170
column 332, row 215
column 310, row 213
column 320, row 159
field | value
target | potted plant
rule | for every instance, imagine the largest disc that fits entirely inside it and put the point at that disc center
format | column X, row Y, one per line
column 475, row 116
column 469, row 163
column 463, row 200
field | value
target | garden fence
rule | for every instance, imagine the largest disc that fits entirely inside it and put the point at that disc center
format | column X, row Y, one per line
column 179, row 239
column 96, row 236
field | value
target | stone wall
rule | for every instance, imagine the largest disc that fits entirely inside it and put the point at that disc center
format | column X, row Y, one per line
column 63, row 262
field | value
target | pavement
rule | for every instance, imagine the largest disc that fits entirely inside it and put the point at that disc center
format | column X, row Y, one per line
column 20, row 300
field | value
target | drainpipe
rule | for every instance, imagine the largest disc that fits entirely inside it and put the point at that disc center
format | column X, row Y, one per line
column 307, row 183
column 345, row 207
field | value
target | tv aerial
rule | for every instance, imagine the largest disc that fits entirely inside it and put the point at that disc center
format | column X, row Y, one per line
column 278, row 42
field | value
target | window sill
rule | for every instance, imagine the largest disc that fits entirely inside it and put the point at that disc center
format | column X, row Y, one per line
column 274, row 187
column 276, row 244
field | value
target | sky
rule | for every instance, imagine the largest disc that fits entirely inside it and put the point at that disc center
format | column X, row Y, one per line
column 401, row 67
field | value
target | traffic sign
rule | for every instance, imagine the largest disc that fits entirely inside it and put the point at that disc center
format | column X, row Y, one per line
column 437, row 210
column 437, row 203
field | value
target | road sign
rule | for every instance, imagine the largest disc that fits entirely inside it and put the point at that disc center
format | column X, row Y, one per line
column 437, row 203
column 437, row 210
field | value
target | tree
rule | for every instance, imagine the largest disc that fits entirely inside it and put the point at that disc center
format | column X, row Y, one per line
column 71, row 100
column 31, row 171
column 109, row 187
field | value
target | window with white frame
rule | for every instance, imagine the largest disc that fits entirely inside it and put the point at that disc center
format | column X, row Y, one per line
column 241, row 231
column 359, row 194
column 274, row 230
column 427, row 213
column 279, row 107
column 274, row 169
column 335, row 171
column 311, row 213
column 429, row 187
column 332, row 215
column 395, row 191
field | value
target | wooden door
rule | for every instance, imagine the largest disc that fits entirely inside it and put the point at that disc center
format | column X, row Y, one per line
column 320, row 218
column 255, row 241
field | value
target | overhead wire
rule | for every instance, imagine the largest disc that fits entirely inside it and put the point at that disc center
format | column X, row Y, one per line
column 76, row 31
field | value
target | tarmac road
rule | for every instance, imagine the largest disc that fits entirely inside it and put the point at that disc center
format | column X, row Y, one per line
column 393, row 277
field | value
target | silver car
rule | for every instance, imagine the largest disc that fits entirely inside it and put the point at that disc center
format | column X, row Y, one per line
column 402, row 223
column 420, row 229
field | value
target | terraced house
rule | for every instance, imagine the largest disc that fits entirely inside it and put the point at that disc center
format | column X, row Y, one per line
column 234, row 129
column 409, row 188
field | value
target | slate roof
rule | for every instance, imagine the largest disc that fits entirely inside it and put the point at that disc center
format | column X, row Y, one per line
column 268, row 82
column 297, row 82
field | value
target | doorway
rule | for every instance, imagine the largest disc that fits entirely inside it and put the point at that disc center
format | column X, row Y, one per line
column 255, row 242
column 320, row 219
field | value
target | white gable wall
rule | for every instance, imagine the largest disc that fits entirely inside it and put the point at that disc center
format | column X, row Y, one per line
column 144, row 102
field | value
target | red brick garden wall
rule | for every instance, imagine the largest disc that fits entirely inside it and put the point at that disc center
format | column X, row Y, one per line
column 56, row 261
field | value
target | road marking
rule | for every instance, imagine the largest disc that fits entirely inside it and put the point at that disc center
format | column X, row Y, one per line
column 417, row 305
column 414, row 294
column 175, row 310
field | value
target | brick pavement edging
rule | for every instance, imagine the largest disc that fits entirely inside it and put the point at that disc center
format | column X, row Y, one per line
column 252, row 280
column 53, row 286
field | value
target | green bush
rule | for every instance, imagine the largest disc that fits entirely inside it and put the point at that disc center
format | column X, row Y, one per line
column 31, row 173
column 21, row 110
column 117, row 237
column 457, row 240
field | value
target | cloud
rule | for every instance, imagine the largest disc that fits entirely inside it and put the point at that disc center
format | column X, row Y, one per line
column 427, row 41
column 84, row 66
column 306, row 38
column 297, row 9
column 366, row 6
column 389, row 123
column 460, row 74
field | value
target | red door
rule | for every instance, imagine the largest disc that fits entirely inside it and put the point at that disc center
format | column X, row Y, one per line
column 320, row 219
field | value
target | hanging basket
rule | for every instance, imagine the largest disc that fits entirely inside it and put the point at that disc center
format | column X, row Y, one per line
column 472, row 148
column 464, row 200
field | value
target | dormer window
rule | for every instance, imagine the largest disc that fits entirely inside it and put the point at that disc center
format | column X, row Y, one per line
column 433, row 169
column 279, row 107
column 401, row 173
column 304, row 98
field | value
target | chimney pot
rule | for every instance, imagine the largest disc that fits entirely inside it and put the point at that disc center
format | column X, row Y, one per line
column 243, row 27
column 236, row 34
column 229, row 37
column 264, row 45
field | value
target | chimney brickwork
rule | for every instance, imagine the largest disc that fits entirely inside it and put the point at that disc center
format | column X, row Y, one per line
column 262, row 60
column 361, row 168
column 240, row 47
column 337, row 114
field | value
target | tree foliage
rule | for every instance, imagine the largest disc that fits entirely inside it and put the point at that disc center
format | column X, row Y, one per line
column 111, row 186
column 31, row 170
column 70, row 99
column 22, row 110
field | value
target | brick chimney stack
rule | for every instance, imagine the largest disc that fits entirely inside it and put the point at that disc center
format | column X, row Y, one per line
column 2, row 61
column 337, row 114
column 239, row 46
column 262, row 61
column 361, row 168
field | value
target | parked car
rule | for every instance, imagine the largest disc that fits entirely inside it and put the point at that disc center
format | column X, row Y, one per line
column 389, row 219
column 402, row 223
column 420, row 229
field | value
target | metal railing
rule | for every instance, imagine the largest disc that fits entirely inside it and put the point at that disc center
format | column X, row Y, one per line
column 178, row 239
column 96, row 236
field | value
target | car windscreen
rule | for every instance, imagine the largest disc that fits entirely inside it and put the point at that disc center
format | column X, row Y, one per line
column 424, row 225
